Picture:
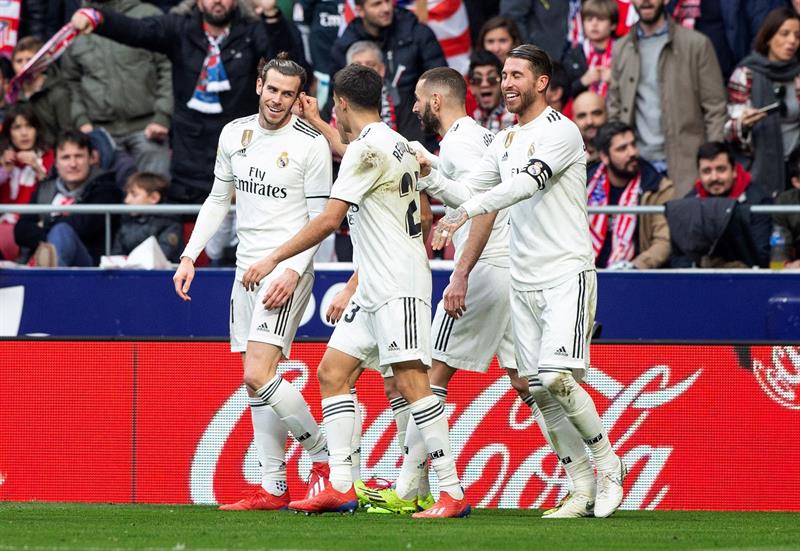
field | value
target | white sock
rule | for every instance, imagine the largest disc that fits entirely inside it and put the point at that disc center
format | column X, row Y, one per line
column 581, row 411
column 292, row 408
column 430, row 418
column 269, row 434
column 401, row 413
column 355, row 446
column 440, row 392
column 415, row 459
column 424, row 486
column 564, row 440
column 337, row 416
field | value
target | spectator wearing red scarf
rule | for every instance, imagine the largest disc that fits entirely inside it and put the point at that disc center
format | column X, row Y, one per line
column 623, row 178
column 588, row 64
column 24, row 163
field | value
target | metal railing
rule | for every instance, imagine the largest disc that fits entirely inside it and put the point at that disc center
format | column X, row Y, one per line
column 109, row 210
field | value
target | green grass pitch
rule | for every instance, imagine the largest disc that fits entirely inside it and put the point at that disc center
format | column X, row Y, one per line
column 39, row 526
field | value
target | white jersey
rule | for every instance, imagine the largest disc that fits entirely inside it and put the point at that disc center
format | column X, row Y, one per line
column 461, row 149
column 275, row 175
column 540, row 169
column 378, row 178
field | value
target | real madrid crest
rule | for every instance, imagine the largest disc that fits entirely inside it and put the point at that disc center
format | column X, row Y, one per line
column 509, row 139
column 247, row 137
column 283, row 160
column 531, row 151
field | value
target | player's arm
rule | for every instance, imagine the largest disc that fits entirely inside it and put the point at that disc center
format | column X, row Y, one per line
column 342, row 299
column 312, row 234
column 553, row 154
column 309, row 110
column 456, row 291
column 485, row 175
column 211, row 215
column 425, row 215
column 360, row 169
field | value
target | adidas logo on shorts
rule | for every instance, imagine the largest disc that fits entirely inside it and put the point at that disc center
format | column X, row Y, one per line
column 561, row 352
column 263, row 327
column 393, row 347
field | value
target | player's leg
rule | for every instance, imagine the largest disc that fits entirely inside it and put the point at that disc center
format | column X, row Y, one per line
column 568, row 316
column 269, row 341
column 566, row 443
column 355, row 445
column 350, row 346
column 269, row 432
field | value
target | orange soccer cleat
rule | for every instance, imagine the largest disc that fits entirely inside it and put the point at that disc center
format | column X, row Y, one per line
column 326, row 500
column 259, row 500
column 316, row 478
column 446, row 507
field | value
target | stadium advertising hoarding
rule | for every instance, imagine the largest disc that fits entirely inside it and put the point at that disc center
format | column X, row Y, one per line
column 700, row 427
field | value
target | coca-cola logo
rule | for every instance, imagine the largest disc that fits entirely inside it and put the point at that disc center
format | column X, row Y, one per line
column 491, row 439
column 780, row 376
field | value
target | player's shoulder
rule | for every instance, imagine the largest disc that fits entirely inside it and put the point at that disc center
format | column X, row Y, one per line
column 242, row 122
column 304, row 130
column 467, row 130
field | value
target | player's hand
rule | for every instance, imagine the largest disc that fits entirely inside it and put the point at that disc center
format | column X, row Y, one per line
column 447, row 226
column 156, row 132
column 339, row 304
column 86, row 128
column 454, row 295
column 424, row 164
column 257, row 272
column 280, row 289
column 310, row 108
column 183, row 278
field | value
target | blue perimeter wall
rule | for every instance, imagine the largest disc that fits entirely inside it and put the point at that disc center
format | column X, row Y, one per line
column 756, row 305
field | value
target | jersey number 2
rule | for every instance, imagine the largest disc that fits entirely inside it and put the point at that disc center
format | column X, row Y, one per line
column 407, row 185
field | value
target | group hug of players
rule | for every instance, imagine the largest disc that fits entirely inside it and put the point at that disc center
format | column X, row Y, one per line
column 523, row 287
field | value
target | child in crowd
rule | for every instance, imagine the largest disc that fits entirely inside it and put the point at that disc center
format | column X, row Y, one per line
column 588, row 65
column 147, row 188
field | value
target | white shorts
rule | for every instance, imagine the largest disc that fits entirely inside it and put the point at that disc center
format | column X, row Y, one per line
column 552, row 327
column 398, row 331
column 250, row 321
column 471, row 341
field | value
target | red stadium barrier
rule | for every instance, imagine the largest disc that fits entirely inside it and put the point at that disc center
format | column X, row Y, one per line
column 701, row 427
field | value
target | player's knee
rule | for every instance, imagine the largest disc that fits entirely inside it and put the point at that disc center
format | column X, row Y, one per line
column 390, row 388
column 558, row 384
column 329, row 377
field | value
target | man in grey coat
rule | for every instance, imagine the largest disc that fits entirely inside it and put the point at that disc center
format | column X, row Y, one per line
column 666, row 83
column 127, row 91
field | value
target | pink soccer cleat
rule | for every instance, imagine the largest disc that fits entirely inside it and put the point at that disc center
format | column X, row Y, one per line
column 328, row 500
column 446, row 507
column 259, row 500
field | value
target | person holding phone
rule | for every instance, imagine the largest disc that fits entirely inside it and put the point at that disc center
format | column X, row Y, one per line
column 763, row 102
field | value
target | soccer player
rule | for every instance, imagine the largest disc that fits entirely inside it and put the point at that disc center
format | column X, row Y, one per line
column 462, row 338
column 539, row 167
column 280, row 169
column 389, row 320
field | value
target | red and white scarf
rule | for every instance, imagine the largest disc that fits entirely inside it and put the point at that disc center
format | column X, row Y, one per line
column 687, row 12
column 623, row 226
column 596, row 58
column 49, row 53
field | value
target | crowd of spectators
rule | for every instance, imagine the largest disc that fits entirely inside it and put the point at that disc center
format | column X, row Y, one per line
column 689, row 104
